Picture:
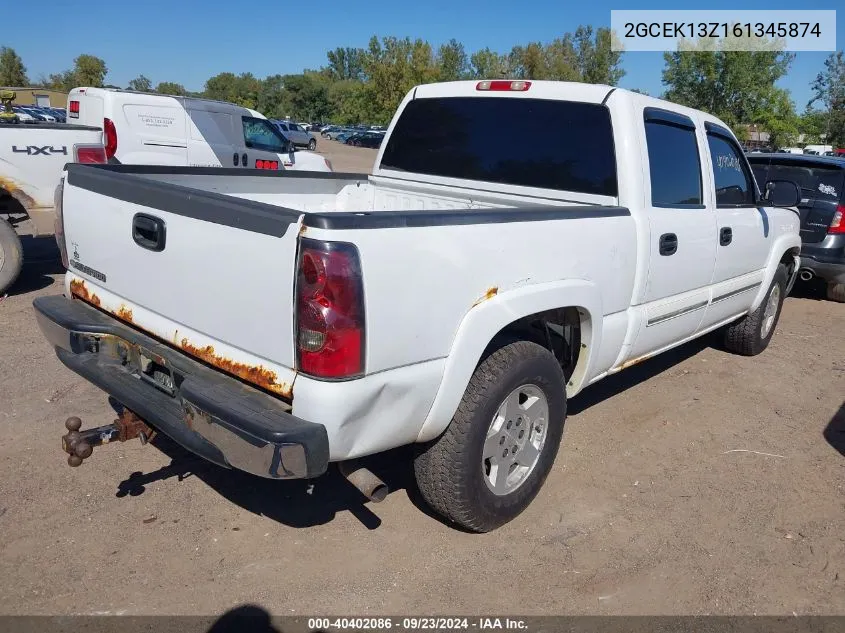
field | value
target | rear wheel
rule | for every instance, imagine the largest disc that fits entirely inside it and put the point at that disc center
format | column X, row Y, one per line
column 11, row 256
column 836, row 292
column 494, row 456
column 312, row 144
column 751, row 334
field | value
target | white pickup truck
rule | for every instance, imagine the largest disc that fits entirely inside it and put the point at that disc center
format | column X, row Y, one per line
column 454, row 299
column 32, row 158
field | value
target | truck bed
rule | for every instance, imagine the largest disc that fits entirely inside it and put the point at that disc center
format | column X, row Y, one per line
column 225, row 296
column 310, row 192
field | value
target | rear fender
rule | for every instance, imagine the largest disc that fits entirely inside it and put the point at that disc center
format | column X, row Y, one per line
column 486, row 319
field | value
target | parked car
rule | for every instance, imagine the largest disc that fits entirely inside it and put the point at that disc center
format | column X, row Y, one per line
column 23, row 115
column 630, row 226
column 153, row 129
column 32, row 159
column 296, row 134
column 822, row 207
column 332, row 135
column 344, row 135
column 368, row 139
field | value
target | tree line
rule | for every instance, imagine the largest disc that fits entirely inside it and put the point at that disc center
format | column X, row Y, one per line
column 365, row 85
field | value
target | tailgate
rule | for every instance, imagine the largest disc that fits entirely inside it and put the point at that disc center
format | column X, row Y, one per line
column 208, row 274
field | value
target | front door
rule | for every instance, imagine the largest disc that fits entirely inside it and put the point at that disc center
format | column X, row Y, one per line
column 744, row 234
column 264, row 143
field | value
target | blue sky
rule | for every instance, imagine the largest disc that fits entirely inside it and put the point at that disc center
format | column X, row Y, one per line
column 187, row 41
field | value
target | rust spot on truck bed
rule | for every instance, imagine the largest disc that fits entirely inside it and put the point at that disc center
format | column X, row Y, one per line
column 491, row 292
column 124, row 313
column 257, row 375
column 79, row 289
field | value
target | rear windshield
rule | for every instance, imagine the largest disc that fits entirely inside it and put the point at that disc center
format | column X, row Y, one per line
column 816, row 181
column 560, row 145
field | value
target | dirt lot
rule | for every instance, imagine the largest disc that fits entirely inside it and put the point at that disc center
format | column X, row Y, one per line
column 698, row 482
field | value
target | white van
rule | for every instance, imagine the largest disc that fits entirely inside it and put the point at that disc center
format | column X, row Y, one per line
column 152, row 129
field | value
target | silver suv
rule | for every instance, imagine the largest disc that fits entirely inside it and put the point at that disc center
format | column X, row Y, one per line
column 296, row 134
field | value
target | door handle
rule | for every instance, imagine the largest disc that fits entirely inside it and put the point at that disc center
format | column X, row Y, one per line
column 668, row 244
column 725, row 236
column 149, row 232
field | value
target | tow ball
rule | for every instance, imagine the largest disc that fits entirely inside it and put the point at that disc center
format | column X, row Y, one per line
column 80, row 444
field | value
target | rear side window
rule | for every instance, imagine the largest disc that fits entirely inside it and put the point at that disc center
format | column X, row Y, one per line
column 817, row 181
column 734, row 186
column 674, row 166
column 562, row 145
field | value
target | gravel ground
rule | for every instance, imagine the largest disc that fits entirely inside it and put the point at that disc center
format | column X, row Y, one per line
column 697, row 482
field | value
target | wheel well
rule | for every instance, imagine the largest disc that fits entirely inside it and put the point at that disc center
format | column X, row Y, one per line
column 788, row 258
column 557, row 330
column 12, row 209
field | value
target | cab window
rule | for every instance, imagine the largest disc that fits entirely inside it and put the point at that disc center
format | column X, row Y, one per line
column 673, row 162
column 734, row 186
column 260, row 134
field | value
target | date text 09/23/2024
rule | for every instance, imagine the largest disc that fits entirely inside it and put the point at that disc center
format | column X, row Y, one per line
column 416, row 624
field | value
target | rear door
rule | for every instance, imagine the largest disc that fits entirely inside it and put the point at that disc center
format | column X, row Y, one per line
column 821, row 183
column 84, row 109
column 682, row 242
column 210, row 137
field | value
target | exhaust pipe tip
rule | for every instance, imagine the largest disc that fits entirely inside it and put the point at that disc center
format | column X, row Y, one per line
column 805, row 274
column 367, row 483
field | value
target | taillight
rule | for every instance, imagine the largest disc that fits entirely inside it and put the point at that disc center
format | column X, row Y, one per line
column 329, row 310
column 73, row 109
column 89, row 154
column 110, row 134
column 503, row 85
column 266, row 164
column 59, row 222
column 328, row 163
column 837, row 225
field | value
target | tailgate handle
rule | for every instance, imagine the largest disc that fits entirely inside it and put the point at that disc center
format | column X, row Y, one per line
column 148, row 232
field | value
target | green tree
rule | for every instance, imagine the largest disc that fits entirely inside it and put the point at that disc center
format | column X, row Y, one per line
column 140, row 84
column 63, row 81
column 346, row 63
column 829, row 90
column 487, row 64
column 779, row 119
column 597, row 62
column 171, row 88
column 12, row 70
column 89, row 70
column 452, row 61
column 736, row 86
column 242, row 89
column 393, row 66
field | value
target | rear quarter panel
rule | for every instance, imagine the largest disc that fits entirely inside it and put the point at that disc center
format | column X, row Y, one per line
column 420, row 283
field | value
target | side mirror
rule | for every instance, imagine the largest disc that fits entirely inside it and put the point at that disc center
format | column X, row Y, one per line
column 782, row 193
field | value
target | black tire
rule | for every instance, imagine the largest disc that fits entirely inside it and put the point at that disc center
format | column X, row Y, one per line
column 450, row 471
column 312, row 144
column 836, row 292
column 11, row 256
column 745, row 336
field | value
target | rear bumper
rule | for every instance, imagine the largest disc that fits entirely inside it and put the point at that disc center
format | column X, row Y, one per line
column 826, row 258
column 209, row 413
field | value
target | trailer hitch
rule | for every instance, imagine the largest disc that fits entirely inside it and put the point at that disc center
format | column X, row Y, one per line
column 80, row 444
